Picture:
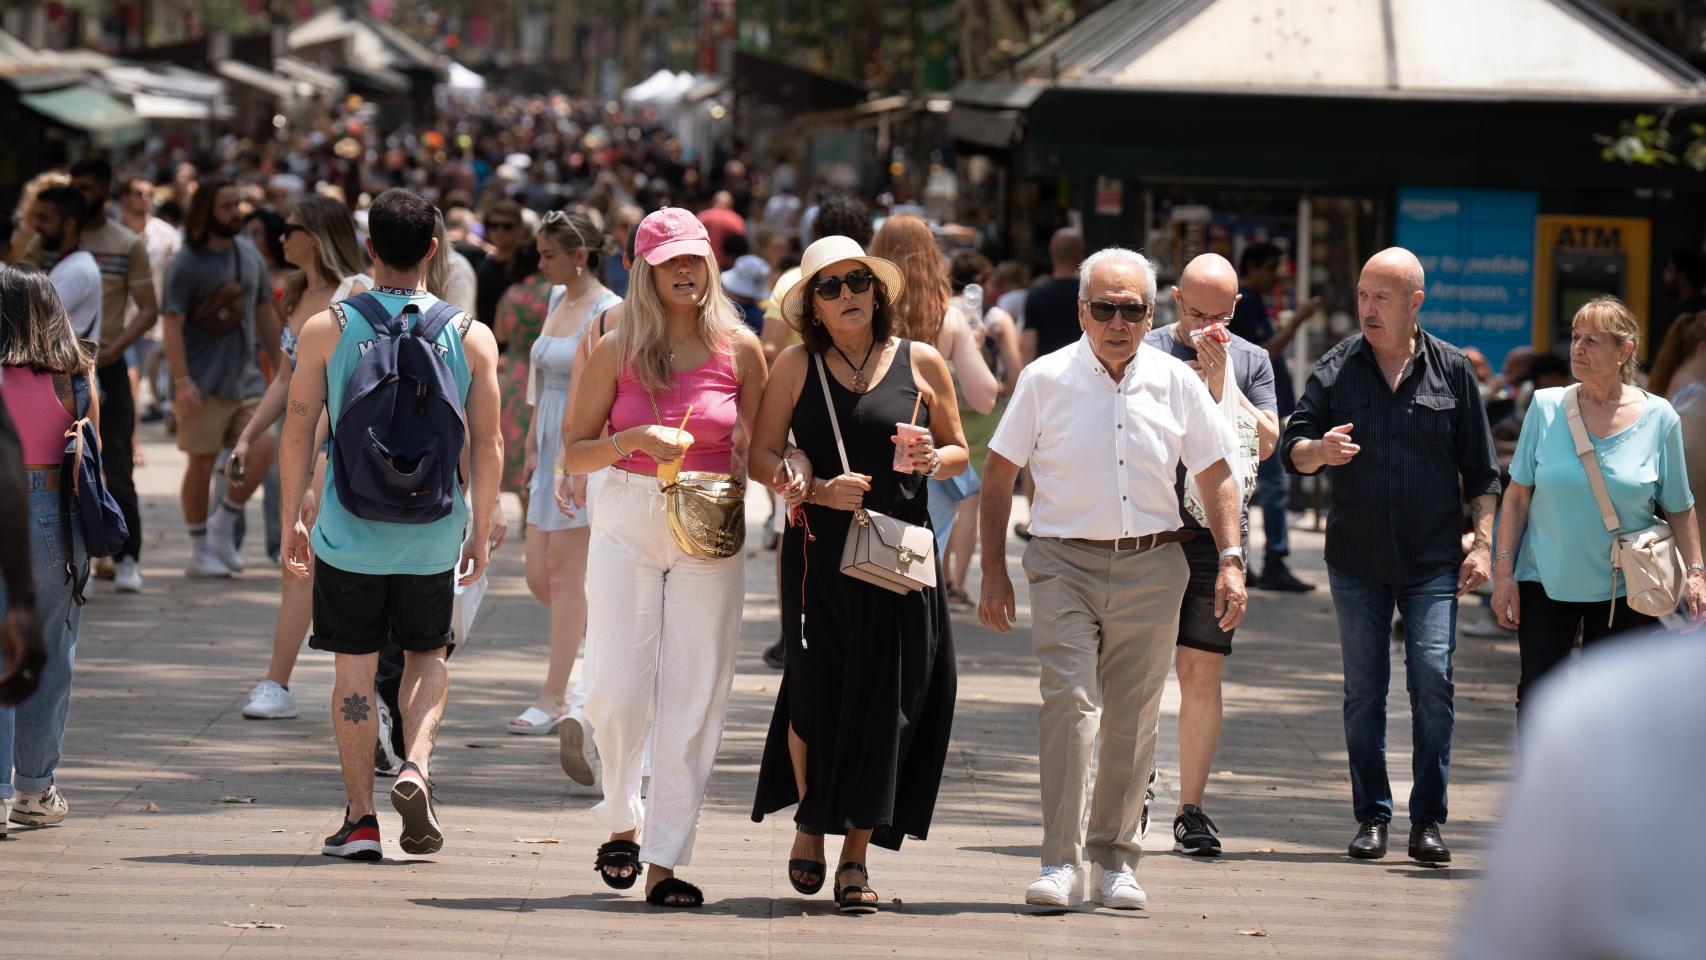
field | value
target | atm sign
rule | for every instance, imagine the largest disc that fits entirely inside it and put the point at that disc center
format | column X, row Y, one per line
column 1588, row 237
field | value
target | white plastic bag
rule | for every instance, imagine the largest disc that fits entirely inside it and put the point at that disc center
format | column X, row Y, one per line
column 1246, row 456
column 466, row 606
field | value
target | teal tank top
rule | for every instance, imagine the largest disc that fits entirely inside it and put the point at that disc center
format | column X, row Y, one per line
column 372, row 547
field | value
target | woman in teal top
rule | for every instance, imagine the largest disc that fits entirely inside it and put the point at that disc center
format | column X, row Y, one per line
column 1552, row 572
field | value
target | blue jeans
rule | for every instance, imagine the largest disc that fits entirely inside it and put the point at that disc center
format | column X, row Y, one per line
column 1364, row 610
column 944, row 503
column 1272, row 491
column 31, row 733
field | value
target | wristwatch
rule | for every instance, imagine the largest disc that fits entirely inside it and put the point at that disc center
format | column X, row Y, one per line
column 1699, row 568
column 935, row 464
column 1232, row 553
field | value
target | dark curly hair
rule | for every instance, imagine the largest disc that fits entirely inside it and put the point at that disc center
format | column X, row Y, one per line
column 816, row 337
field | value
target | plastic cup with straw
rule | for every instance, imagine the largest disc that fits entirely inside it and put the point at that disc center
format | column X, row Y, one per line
column 905, row 434
column 668, row 471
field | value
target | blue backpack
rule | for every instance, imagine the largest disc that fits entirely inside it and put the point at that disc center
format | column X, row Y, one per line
column 397, row 445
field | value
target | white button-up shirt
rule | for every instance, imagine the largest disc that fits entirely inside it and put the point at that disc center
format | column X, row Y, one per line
column 1104, row 454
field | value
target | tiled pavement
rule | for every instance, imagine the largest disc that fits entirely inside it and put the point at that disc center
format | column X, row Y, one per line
column 152, row 862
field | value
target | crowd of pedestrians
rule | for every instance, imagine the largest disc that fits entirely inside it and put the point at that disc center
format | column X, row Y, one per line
column 569, row 314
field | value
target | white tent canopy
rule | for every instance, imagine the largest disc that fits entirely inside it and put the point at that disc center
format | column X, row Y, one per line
column 1522, row 49
column 464, row 80
column 661, row 89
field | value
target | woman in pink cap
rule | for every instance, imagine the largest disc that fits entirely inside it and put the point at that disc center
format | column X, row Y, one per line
column 663, row 626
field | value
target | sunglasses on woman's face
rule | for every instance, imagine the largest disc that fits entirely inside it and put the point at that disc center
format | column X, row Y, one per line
column 1135, row 311
column 290, row 229
column 829, row 288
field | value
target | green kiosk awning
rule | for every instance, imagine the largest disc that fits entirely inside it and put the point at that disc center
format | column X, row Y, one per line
column 107, row 120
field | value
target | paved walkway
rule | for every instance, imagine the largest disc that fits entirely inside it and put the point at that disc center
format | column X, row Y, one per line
column 157, row 860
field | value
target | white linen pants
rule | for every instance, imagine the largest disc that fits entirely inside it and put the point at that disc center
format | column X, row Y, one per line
column 662, row 632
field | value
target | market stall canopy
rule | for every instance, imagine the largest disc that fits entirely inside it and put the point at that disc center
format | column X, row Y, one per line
column 108, row 122
column 1421, row 49
column 366, row 46
column 280, row 88
column 464, row 80
column 325, row 83
column 662, row 89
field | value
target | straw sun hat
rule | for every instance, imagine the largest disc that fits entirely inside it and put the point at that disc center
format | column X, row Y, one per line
column 828, row 252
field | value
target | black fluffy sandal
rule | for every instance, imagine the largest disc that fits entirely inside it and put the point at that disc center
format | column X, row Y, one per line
column 616, row 855
column 675, row 892
column 852, row 899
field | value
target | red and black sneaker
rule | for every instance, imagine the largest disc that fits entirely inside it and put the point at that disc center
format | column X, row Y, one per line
column 358, row 840
column 412, row 797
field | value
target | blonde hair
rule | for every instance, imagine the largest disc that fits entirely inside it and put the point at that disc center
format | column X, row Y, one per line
column 908, row 243
column 1610, row 315
column 333, row 229
column 1687, row 334
column 643, row 334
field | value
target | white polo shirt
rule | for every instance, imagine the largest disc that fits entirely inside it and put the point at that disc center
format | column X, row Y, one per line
column 1104, row 454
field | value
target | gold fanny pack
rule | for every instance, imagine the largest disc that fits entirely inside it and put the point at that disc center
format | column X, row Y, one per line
column 706, row 514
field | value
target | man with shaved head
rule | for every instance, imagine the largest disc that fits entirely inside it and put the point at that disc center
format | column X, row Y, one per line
column 1206, row 296
column 1394, row 414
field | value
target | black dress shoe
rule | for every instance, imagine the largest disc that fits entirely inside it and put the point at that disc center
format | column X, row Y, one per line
column 1426, row 845
column 776, row 656
column 1370, row 841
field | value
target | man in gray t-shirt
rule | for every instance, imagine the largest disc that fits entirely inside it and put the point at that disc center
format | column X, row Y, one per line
column 217, row 383
column 1206, row 295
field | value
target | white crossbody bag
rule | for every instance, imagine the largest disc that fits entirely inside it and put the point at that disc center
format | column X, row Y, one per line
column 881, row 550
column 1652, row 567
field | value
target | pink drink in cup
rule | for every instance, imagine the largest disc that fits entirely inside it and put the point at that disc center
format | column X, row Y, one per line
column 907, row 433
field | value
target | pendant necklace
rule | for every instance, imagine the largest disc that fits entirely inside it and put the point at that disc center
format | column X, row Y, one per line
column 861, row 383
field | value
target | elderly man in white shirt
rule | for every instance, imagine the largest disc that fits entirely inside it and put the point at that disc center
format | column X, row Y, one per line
column 1103, row 425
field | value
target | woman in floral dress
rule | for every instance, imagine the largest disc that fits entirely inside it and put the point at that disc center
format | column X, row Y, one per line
column 520, row 318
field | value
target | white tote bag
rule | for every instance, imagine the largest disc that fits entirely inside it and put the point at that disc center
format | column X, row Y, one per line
column 1246, row 456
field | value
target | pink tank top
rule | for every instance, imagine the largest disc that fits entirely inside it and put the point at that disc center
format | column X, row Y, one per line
column 36, row 411
column 713, row 390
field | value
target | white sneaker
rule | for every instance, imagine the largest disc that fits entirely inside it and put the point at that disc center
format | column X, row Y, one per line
column 579, row 757
column 222, row 538
column 204, row 565
column 127, row 576
column 385, row 759
column 1118, row 890
column 1061, row 886
column 269, row 701
column 39, row 809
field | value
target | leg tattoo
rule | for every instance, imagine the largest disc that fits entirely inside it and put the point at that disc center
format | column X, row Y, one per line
column 356, row 708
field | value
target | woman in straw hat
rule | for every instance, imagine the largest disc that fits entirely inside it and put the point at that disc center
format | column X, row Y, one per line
column 862, row 720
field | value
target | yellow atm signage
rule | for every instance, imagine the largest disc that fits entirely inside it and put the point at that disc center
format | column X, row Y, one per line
column 1578, row 258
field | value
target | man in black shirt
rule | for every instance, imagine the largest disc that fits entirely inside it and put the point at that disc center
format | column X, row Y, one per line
column 1051, row 308
column 1258, row 268
column 1396, row 414
column 505, row 232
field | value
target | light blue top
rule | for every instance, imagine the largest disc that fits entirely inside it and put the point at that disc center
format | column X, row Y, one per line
column 1565, row 547
column 370, row 546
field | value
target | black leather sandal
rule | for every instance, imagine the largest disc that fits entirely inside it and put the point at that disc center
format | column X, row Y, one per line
column 619, row 854
column 851, row 900
column 815, row 868
column 670, row 892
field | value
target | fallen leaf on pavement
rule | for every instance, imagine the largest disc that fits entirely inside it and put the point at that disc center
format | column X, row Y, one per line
column 254, row 925
column 537, row 840
column 229, row 799
column 1254, row 933
column 1263, row 850
column 150, row 807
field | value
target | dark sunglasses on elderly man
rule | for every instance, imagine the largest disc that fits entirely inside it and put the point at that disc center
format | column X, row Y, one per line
column 1136, row 311
column 829, row 288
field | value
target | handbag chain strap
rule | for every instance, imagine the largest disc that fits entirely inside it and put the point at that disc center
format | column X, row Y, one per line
column 835, row 427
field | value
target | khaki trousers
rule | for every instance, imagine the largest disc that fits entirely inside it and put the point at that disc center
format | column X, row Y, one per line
column 1104, row 626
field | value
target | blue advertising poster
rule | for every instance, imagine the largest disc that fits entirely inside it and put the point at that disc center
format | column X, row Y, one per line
column 1477, row 249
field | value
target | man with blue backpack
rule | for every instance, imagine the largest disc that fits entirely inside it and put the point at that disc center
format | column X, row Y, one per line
column 409, row 385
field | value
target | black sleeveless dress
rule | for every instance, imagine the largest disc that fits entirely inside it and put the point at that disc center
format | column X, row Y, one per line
column 870, row 688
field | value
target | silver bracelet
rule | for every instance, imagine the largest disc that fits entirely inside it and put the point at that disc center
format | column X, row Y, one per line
column 620, row 453
column 1232, row 553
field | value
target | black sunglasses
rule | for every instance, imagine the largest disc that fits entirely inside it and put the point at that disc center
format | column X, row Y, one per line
column 289, row 229
column 1102, row 311
column 502, row 225
column 829, row 288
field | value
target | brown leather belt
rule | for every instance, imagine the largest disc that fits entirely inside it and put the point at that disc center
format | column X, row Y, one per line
column 1148, row 541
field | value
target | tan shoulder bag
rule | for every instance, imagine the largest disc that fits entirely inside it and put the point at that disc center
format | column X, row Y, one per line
column 1651, row 564
column 881, row 550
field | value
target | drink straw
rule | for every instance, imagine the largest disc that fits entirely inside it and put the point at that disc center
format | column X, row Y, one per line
column 916, row 400
column 684, row 417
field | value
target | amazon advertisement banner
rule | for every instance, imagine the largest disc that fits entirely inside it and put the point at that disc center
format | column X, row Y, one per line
column 1477, row 249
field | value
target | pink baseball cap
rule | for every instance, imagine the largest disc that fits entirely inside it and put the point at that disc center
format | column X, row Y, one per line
column 669, row 233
